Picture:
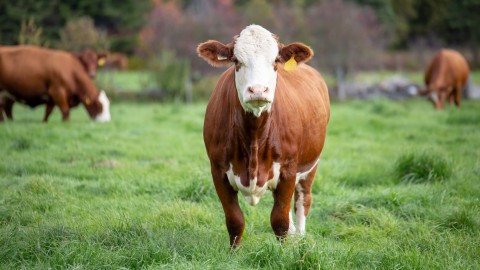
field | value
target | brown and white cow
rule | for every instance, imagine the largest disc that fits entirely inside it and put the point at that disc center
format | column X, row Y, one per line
column 445, row 78
column 35, row 76
column 264, row 127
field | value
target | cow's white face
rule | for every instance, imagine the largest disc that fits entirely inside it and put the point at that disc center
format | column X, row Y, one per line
column 104, row 116
column 255, row 52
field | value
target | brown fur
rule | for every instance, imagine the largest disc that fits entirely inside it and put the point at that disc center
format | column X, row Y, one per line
column 90, row 60
column 446, row 76
column 34, row 76
column 293, row 134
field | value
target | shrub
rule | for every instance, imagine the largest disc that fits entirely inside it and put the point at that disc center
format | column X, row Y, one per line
column 172, row 76
column 31, row 34
column 203, row 88
column 80, row 34
column 422, row 167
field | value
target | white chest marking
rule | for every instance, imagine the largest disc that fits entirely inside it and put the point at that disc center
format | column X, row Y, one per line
column 252, row 192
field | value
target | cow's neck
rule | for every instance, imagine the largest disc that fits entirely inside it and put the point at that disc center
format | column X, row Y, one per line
column 86, row 88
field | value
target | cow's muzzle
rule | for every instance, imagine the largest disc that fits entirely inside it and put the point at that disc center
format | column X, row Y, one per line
column 258, row 96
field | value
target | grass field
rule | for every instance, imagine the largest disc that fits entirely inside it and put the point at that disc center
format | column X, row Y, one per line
column 398, row 187
column 136, row 81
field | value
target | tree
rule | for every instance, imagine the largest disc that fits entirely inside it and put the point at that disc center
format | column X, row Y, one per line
column 117, row 18
column 461, row 26
column 347, row 37
column 80, row 34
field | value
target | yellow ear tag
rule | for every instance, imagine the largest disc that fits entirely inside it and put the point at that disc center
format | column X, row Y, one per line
column 291, row 64
column 87, row 101
column 101, row 61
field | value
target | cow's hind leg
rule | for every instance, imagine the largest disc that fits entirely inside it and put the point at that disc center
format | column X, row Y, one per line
column 233, row 214
column 8, row 106
column 303, row 200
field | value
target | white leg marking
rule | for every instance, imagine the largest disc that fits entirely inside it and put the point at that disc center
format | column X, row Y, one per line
column 291, row 226
column 300, row 213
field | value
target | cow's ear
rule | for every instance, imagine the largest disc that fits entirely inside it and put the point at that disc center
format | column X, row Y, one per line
column 216, row 53
column 300, row 52
column 101, row 55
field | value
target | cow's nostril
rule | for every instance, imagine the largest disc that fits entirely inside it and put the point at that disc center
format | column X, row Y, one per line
column 266, row 90
column 250, row 90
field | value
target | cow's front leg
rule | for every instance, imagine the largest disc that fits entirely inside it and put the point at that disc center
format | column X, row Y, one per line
column 233, row 213
column 442, row 98
column 282, row 197
column 59, row 97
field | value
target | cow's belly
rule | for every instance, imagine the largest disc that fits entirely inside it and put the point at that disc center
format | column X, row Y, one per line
column 26, row 89
column 254, row 192
column 29, row 100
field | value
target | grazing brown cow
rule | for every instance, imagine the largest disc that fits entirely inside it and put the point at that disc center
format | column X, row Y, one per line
column 35, row 76
column 445, row 77
column 89, row 60
column 265, row 127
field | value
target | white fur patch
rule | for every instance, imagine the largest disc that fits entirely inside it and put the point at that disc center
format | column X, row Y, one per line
column 303, row 175
column 300, row 213
column 104, row 116
column 252, row 192
column 434, row 97
column 291, row 225
column 256, row 50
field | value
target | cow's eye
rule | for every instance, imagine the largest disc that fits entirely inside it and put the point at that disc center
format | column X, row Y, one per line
column 238, row 65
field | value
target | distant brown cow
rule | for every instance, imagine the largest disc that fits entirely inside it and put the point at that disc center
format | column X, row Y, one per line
column 34, row 76
column 265, row 127
column 445, row 78
column 116, row 61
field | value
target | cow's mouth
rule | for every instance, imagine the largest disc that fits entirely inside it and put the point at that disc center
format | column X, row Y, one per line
column 258, row 102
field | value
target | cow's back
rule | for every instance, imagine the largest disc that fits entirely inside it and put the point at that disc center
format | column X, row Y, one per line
column 448, row 68
column 27, row 71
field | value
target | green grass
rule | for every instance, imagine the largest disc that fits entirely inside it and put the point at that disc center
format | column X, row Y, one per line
column 137, row 81
column 131, row 81
column 137, row 193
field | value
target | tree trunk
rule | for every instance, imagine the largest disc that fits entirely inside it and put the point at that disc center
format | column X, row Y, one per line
column 341, row 90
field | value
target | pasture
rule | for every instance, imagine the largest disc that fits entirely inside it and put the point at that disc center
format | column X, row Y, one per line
column 398, row 187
